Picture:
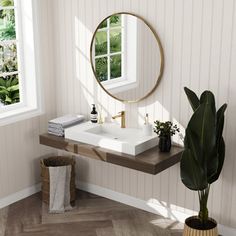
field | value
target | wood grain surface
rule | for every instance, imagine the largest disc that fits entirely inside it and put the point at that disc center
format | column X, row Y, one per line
column 91, row 216
column 151, row 161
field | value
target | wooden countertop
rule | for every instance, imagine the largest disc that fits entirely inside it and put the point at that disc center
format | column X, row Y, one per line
column 151, row 161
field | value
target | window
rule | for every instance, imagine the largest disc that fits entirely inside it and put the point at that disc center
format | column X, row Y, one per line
column 9, row 73
column 108, row 49
column 19, row 86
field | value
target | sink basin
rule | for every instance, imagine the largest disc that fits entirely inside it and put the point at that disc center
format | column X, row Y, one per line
column 111, row 136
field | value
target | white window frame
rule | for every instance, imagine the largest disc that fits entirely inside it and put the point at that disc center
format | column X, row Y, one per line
column 30, row 104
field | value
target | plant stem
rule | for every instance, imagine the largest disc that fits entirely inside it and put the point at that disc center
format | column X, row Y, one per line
column 203, row 197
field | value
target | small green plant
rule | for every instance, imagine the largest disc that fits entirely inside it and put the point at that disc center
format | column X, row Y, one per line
column 9, row 90
column 165, row 128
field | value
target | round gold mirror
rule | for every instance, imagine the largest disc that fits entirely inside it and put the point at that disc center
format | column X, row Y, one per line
column 126, row 57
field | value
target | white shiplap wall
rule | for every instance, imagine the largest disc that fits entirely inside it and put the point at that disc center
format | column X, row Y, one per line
column 19, row 142
column 199, row 40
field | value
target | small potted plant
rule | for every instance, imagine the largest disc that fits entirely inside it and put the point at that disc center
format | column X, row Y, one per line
column 165, row 130
column 203, row 158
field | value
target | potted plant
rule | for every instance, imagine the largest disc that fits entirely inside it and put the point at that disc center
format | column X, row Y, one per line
column 165, row 130
column 203, row 157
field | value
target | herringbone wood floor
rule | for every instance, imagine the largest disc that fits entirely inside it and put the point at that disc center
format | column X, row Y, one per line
column 92, row 216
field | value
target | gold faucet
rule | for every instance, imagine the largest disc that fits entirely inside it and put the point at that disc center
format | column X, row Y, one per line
column 122, row 115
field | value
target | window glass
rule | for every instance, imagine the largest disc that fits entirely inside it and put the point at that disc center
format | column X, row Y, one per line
column 115, row 40
column 7, row 24
column 101, row 68
column 6, row 3
column 115, row 64
column 8, row 58
column 101, row 43
column 9, row 92
column 103, row 24
column 108, row 49
column 9, row 75
column 115, row 20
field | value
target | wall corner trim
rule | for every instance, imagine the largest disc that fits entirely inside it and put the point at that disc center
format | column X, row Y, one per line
column 6, row 201
column 145, row 205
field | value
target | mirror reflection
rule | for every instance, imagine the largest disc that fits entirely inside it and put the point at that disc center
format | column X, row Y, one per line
column 126, row 57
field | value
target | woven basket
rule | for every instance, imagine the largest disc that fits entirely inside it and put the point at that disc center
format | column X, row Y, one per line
column 56, row 161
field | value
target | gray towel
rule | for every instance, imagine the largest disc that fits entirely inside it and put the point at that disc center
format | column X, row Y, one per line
column 57, row 125
column 59, row 189
column 66, row 121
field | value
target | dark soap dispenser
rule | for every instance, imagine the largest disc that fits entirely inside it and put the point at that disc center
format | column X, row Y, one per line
column 94, row 115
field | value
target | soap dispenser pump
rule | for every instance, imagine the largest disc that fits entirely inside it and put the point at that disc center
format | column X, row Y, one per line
column 94, row 114
column 147, row 127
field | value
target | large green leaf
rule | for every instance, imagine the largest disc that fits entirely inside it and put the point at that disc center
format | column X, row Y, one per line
column 220, row 122
column 192, row 174
column 192, row 97
column 192, row 142
column 203, row 125
column 221, row 158
column 208, row 97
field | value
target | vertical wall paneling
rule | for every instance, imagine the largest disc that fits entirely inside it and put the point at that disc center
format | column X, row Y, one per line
column 198, row 38
column 20, row 150
column 232, row 77
column 225, row 92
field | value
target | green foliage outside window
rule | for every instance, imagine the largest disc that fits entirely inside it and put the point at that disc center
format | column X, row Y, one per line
column 6, row 3
column 9, row 90
column 9, row 83
column 101, row 68
column 8, row 58
column 7, row 21
column 115, row 64
column 115, row 20
column 115, row 46
column 101, row 43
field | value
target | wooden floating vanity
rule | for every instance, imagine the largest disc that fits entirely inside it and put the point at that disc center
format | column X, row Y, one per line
column 151, row 161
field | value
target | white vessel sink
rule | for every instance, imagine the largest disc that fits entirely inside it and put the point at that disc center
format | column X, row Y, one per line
column 111, row 136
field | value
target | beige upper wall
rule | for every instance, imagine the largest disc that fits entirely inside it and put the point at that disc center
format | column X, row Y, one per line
column 19, row 146
column 199, row 40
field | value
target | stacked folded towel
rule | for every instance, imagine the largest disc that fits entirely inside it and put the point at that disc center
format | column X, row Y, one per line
column 57, row 126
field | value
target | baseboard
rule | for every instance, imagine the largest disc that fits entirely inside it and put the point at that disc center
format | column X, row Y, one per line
column 152, row 205
column 19, row 195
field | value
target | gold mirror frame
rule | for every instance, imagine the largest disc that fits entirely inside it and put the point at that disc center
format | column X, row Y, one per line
column 161, row 59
